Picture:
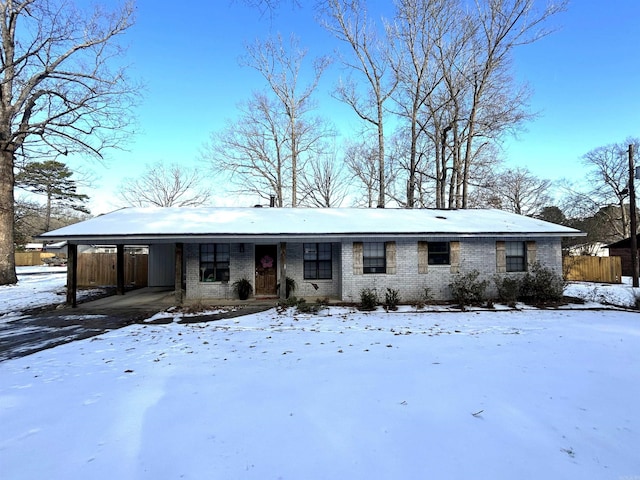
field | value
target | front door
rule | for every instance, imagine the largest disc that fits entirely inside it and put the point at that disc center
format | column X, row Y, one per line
column 266, row 270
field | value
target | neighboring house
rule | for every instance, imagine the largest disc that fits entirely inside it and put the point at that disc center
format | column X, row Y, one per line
column 622, row 249
column 330, row 252
column 58, row 248
column 33, row 247
column 131, row 249
column 597, row 249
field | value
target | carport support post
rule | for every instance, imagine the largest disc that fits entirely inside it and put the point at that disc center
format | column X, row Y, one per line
column 119, row 269
column 72, row 274
column 178, row 269
column 283, row 270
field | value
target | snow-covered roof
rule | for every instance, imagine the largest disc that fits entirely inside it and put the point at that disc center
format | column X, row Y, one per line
column 181, row 224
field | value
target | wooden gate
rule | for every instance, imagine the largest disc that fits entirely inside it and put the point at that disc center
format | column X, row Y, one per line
column 99, row 269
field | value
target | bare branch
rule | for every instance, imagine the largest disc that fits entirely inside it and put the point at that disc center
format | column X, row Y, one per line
column 166, row 186
column 62, row 91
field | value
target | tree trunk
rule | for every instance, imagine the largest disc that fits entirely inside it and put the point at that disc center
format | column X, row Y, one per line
column 455, row 169
column 47, row 218
column 381, row 176
column 413, row 164
column 294, row 159
column 7, row 248
column 469, row 144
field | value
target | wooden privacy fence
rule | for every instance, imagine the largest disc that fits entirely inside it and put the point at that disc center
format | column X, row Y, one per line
column 592, row 269
column 100, row 269
column 29, row 259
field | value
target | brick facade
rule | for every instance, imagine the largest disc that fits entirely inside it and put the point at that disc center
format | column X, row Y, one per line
column 243, row 266
column 467, row 254
column 474, row 254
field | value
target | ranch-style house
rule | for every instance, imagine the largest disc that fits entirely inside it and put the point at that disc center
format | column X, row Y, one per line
column 329, row 252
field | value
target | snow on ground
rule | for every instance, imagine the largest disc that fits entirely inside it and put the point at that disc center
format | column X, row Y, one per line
column 37, row 286
column 482, row 394
column 623, row 295
column 501, row 395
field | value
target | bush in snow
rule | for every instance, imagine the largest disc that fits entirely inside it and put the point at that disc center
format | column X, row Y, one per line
column 466, row 289
column 508, row 289
column 368, row 299
column 391, row 299
column 542, row 284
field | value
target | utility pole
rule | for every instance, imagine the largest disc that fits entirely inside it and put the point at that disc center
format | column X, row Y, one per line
column 632, row 214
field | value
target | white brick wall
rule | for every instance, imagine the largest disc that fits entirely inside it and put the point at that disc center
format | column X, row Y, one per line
column 305, row 288
column 475, row 254
column 243, row 266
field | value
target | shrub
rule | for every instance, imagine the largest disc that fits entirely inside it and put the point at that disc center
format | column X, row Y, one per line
column 243, row 288
column 541, row 285
column 304, row 307
column 427, row 296
column 466, row 289
column 290, row 286
column 425, row 299
column 368, row 299
column 391, row 299
column 508, row 289
column 301, row 305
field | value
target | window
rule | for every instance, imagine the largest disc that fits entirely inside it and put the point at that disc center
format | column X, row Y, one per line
column 438, row 253
column 516, row 256
column 374, row 258
column 214, row 262
column 317, row 261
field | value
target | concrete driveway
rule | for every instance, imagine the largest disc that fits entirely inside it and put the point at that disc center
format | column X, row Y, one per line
column 45, row 328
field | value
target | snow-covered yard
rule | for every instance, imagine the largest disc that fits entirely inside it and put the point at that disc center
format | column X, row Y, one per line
column 482, row 394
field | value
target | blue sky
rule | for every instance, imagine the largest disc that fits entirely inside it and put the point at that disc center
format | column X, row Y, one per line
column 585, row 79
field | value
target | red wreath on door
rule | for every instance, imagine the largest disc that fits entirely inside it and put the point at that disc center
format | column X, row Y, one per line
column 266, row 261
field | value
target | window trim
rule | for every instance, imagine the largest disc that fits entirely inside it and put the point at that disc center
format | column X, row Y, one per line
column 317, row 262
column 217, row 265
column 373, row 270
column 431, row 255
column 509, row 259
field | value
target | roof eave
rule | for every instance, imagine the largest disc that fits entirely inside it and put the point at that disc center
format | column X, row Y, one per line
column 169, row 238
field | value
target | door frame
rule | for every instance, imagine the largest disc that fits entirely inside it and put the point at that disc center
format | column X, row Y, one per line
column 262, row 251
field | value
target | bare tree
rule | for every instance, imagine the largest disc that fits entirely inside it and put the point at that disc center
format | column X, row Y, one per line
column 31, row 217
column 493, row 104
column 253, row 154
column 418, row 27
column 362, row 162
column 348, row 21
column 324, row 184
column 477, row 101
column 58, row 92
column 361, row 159
column 165, row 186
column 519, row 191
column 281, row 66
column 268, row 6
column 29, row 220
column 608, row 178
